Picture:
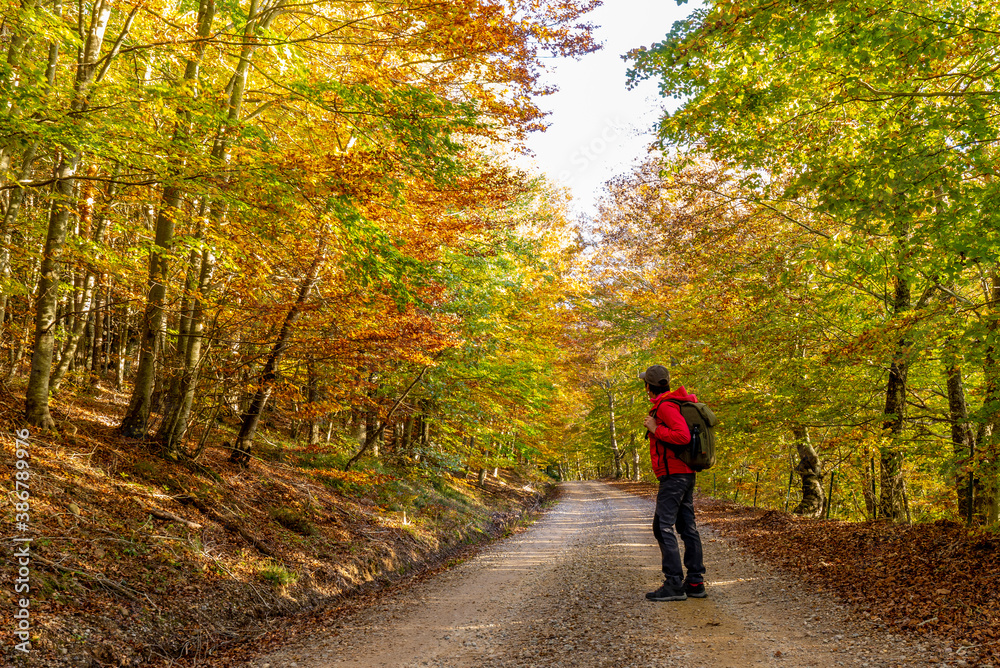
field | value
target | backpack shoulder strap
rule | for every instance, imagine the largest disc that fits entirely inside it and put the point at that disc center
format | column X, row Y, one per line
column 659, row 403
column 674, row 448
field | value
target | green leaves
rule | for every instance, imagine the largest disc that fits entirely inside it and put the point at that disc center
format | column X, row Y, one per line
column 863, row 134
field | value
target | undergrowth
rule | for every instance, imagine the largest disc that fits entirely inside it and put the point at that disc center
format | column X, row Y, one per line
column 133, row 554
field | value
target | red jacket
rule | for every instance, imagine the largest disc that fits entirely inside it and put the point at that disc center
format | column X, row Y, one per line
column 670, row 428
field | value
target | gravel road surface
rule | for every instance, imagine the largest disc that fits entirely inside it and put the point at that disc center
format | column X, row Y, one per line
column 570, row 592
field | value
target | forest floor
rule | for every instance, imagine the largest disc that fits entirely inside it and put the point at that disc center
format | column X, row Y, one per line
column 935, row 584
column 569, row 591
column 140, row 561
column 136, row 560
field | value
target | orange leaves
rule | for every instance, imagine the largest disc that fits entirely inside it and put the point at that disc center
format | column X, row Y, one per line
column 365, row 479
column 943, row 578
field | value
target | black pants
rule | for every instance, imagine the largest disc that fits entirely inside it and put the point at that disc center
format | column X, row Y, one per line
column 675, row 506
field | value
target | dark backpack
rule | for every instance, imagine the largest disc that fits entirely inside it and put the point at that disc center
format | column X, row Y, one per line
column 699, row 454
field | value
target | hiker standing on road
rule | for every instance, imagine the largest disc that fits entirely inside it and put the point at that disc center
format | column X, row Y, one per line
column 675, row 498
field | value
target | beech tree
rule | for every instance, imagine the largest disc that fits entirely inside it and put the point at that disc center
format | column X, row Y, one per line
column 202, row 152
column 836, row 112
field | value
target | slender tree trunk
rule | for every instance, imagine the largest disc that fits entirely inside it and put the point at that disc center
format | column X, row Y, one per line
column 97, row 345
column 83, row 306
column 357, row 426
column 612, row 429
column 136, row 419
column 17, row 354
column 72, row 343
column 313, row 399
column 892, row 504
column 962, row 437
column 869, row 485
column 372, row 437
column 986, row 494
column 119, row 349
column 7, row 224
column 810, row 469
column 408, row 435
column 37, row 393
column 137, row 416
column 83, row 352
column 371, row 420
column 265, row 385
column 468, row 455
column 177, row 420
column 74, row 301
column 635, row 456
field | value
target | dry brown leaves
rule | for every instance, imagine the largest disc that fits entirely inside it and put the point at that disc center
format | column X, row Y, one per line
column 140, row 559
column 939, row 578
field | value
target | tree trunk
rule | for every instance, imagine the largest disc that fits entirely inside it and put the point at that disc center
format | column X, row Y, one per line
column 313, row 399
column 371, row 420
column 810, row 469
column 74, row 300
column 17, row 353
column 612, row 429
column 892, row 503
column 408, row 435
column 635, row 457
column 357, row 426
column 83, row 350
column 962, row 438
column 265, row 385
column 372, row 437
column 7, row 224
column 119, row 348
column 97, row 345
column 136, row 418
column 84, row 306
column 985, row 508
column 425, row 431
column 177, row 420
column 36, row 405
column 869, row 485
column 468, row 455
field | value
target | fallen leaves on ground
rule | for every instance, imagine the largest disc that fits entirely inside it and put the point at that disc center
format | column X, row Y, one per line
column 940, row 578
column 139, row 560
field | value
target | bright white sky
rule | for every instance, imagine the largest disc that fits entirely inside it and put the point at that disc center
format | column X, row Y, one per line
column 598, row 128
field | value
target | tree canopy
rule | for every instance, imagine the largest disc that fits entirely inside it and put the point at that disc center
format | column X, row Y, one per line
column 264, row 215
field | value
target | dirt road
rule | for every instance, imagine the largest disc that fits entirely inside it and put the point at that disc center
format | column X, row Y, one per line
column 570, row 592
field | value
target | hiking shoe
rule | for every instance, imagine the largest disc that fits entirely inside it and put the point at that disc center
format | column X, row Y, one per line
column 667, row 592
column 695, row 589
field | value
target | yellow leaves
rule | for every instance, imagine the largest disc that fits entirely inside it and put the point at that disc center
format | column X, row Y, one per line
column 365, row 478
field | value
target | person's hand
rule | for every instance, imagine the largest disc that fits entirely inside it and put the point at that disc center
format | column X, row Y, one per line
column 650, row 423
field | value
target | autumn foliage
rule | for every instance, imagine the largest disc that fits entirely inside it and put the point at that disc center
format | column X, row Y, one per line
column 813, row 252
column 280, row 213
